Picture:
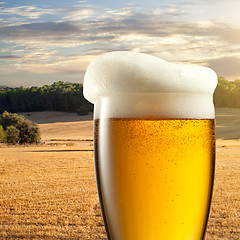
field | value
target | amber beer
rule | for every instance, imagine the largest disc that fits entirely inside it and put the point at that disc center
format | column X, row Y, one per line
column 155, row 177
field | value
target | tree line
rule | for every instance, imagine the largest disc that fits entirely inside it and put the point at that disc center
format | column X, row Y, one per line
column 227, row 93
column 65, row 96
column 60, row 96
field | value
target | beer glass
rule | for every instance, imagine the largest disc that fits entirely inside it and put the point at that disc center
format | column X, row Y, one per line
column 154, row 149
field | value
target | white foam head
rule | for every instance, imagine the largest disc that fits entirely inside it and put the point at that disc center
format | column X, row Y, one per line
column 130, row 84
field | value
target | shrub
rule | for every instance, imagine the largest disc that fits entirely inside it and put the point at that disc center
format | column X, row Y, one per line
column 2, row 135
column 82, row 111
column 29, row 132
column 24, row 131
column 12, row 134
column 8, row 119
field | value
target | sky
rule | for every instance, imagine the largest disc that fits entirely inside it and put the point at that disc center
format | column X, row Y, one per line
column 44, row 41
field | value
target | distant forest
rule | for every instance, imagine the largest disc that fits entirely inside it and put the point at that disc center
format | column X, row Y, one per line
column 60, row 96
column 68, row 97
column 227, row 93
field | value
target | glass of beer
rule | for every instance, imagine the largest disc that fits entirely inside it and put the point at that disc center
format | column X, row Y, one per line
column 154, row 145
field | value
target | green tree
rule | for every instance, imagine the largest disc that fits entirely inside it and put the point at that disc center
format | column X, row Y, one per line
column 21, row 131
column 227, row 93
column 8, row 119
column 59, row 96
column 2, row 135
column 29, row 132
column 12, row 134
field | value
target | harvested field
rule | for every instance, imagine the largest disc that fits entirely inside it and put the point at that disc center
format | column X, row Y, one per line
column 49, row 191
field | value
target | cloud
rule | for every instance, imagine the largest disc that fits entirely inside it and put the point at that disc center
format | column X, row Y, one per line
column 110, row 29
column 92, row 31
column 208, row 2
column 38, row 29
column 9, row 57
column 71, row 65
column 31, row 12
column 226, row 66
column 83, row 24
column 80, row 12
column 227, row 33
column 215, row 1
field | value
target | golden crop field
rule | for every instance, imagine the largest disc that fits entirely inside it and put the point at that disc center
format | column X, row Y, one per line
column 49, row 191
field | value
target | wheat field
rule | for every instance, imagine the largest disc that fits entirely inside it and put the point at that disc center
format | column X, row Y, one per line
column 49, row 191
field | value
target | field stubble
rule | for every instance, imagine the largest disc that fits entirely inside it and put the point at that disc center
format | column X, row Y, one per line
column 49, row 192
